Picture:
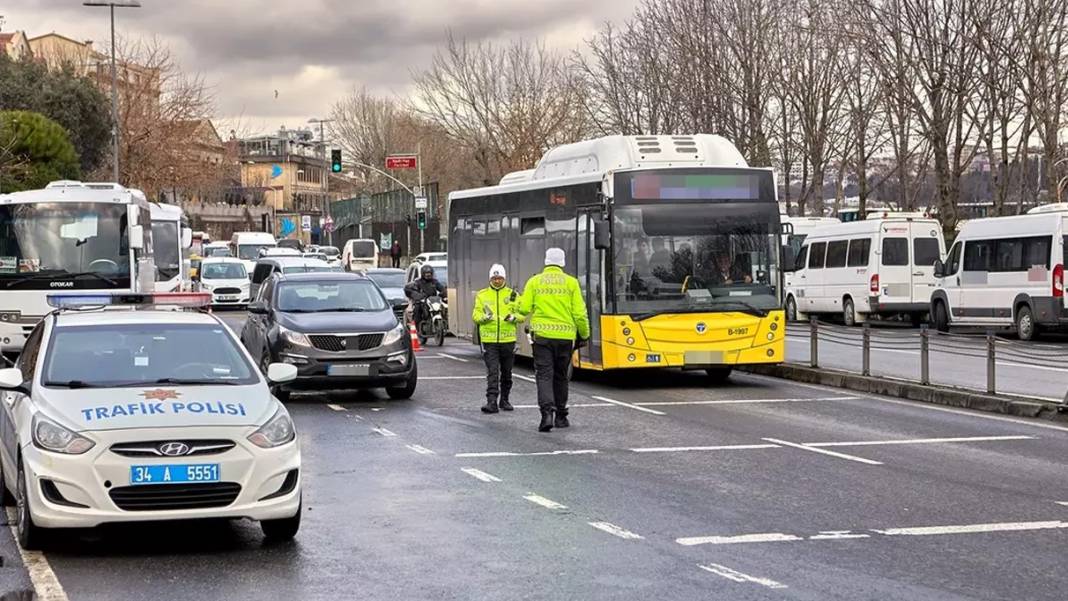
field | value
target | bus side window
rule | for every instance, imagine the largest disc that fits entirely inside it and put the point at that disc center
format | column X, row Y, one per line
column 532, row 226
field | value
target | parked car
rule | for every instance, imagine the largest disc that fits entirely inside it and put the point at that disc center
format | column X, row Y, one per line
column 433, row 257
column 359, row 254
column 876, row 267
column 1005, row 272
column 269, row 266
column 226, row 279
column 333, row 255
column 337, row 328
column 391, row 282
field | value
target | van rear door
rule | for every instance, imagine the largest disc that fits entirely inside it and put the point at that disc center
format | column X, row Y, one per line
column 895, row 264
column 927, row 247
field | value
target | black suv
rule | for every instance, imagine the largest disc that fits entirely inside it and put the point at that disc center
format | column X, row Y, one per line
column 337, row 328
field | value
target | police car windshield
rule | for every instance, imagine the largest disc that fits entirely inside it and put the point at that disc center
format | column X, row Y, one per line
column 332, row 296
column 144, row 354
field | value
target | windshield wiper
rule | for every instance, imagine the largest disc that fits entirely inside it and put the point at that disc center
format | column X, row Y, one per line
column 340, row 310
column 753, row 308
column 709, row 308
column 60, row 273
column 196, row 382
column 73, row 384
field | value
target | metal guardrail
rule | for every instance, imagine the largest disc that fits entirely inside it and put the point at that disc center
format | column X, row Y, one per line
column 868, row 339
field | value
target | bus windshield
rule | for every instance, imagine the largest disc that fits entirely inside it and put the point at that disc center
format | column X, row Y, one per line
column 696, row 257
column 165, row 249
column 85, row 243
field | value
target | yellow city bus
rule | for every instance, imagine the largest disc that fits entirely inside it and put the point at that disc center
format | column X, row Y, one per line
column 675, row 241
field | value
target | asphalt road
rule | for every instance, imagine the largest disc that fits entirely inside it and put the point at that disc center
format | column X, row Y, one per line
column 664, row 488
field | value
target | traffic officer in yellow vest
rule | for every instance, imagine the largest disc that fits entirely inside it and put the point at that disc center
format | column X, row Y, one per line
column 496, row 318
column 558, row 321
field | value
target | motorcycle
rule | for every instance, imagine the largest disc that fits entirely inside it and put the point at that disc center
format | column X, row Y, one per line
column 435, row 322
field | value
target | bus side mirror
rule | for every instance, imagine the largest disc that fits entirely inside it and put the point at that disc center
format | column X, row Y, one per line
column 602, row 238
column 137, row 237
column 788, row 259
column 187, row 237
column 939, row 269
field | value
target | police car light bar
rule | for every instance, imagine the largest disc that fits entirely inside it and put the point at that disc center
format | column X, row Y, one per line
column 120, row 299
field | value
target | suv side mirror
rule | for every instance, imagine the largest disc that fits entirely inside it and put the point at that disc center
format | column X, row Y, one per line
column 602, row 237
column 257, row 307
column 939, row 269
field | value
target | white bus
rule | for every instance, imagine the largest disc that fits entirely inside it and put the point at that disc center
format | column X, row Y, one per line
column 69, row 236
column 171, row 238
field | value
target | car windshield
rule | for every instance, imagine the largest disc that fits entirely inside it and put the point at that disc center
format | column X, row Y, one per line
column 251, row 252
column 220, row 251
column 224, row 271
column 165, row 249
column 329, row 296
column 388, row 280
column 145, row 354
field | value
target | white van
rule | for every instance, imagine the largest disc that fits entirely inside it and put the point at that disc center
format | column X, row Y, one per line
column 359, row 254
column 247, row 245
column 1005, row 271
column 875, row 267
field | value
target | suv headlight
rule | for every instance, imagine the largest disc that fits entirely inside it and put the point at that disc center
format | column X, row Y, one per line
column 394, row 335
column 51, row 436
column 276, row 432
column 293, row 337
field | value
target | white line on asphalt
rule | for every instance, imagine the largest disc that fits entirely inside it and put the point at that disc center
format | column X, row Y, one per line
column 734, row 447
column 537, row 454
column 628, row 405
column 452, row 377
column 736, row 576
column 547, row 503
column 973, row 528
column 862, row 443
column 419, row 449
column 1065, row 503
column 481, row 475
column 336, row 407
column 616, row 530
column 770, row 537
column 384, row 432
column 745, row 401
column 376, row 408
column 453, row 357
column 837, row 535
column 524, row 378
column 823, row 451
column 45, row 584
column 570, row 405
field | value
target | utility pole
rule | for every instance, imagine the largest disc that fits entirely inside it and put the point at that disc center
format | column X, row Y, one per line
column 419, row 165
column 326, row 176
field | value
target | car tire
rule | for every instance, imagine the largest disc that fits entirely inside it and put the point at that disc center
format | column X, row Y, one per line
column 6, row 498
column 849, row 313
column 30, row 535
column 718, row 375
column 282, row 529
column 941, row 317
column 1026, row 328
column 403, row 393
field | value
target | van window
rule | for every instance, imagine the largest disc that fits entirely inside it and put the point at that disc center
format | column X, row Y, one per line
column 1036, row 252
column 895, row 251
column 816, row 254
column 977, row 255
column 836, row 253
column 802, row 255
column 953, row 260
column 363, row 248
column 859, row 251
column 925, row 251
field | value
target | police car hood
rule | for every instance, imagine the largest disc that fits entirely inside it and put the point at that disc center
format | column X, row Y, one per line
column 159, row 407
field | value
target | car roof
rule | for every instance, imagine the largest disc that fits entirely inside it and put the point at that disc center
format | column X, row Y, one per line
column 384, row 271
column 290, row 260
column 320, row 275
column 212, row 259
column 105, row 317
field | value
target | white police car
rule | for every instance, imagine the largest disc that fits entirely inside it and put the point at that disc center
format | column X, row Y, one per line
column 143, row 414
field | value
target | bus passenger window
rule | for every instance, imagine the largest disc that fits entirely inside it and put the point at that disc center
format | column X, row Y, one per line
column 532, row 226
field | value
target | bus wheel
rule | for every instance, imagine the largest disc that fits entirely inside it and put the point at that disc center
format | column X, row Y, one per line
column 718, row 375
column 791, row 309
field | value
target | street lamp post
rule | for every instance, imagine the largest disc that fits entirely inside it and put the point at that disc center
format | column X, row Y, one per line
column 113, row 4
column 326, row 175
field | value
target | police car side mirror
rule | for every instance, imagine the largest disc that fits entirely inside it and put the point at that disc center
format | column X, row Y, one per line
column 280, row 373
column 939, row 269
column 11, row 379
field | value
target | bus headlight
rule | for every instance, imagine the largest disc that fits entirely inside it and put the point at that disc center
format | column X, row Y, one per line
column 771, row 336
column 774, row 326
column 630, row 341
column 631, row 357
column 626, row 331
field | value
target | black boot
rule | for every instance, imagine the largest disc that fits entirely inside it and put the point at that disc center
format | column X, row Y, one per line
column 546, row 421
column 506, row 406
column 561, row 420
column 490, row 407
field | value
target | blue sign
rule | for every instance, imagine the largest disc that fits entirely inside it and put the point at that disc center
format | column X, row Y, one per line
column 276, row 171
column 288, row 226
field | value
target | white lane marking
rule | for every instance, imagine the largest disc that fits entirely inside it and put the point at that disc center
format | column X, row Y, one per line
column 419, row 449
column 336, row 407
column 1065, row 503
column 481, row 475
column 452, row 377
column 569, row 405
column 745, row 401
column 525, row 378
column 733, row 447
column 770, row 537
column 537, row 454
column 972, row 528
column 616, row 530
column 837, row 535
column 453, row 357
column 540, row 500
column 736, row 576
column 629, row 405
column 384, row 432
column 862, row 443
column 45, row 584
column 376, row 408
column 823, row 451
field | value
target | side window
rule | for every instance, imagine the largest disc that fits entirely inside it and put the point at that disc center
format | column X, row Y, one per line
column 532, row 226
column 802, row 256
column 816, row 254
column 260, row 273
column 1008, row 255
column 953, row 260
column 1036, row 251
column 977, row 254
column 30, row 350
column 836, row 253
column 896, row 251
column 859, row 252
column 925, row 251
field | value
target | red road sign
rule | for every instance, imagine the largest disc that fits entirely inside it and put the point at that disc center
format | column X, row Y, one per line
column 402, row 161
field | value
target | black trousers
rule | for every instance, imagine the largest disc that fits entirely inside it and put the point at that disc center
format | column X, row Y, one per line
column 551, row 361
column 396, row 262
column 499, row 358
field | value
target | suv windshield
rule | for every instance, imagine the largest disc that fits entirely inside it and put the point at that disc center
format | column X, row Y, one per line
column 337, row 295
column 144, row 354
column 224, row 271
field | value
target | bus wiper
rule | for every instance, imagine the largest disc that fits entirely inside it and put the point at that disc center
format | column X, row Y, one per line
column 757, row 310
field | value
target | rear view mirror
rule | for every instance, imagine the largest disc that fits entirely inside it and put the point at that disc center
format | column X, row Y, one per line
column 10, row 378
column 602, row 237
column 187, row 237
column 788, row 258
column 280, row 373
column 939, row 269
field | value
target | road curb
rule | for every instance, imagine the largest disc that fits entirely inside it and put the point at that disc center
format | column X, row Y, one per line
column 953, row 397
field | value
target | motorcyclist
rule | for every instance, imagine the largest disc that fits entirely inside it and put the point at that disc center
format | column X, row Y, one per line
column 420, row 289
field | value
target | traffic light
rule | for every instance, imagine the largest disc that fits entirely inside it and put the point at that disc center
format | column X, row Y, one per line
column 421, row 221
column 335, row 160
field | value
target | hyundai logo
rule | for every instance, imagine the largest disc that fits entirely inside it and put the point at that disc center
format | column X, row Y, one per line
column 174, row 449
column 701, row 327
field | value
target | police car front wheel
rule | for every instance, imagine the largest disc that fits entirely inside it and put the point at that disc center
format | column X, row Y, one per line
column 30, row 535
column 282, row 529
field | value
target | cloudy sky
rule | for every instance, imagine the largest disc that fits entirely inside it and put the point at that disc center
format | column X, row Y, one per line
column 313, row 51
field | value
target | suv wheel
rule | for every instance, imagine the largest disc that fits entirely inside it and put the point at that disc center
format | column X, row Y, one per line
column 400, row 393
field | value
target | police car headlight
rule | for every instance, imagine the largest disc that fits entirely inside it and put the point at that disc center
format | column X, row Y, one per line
column 293, row 337
column 51, row 436
column 276, row 432
column 394, row 335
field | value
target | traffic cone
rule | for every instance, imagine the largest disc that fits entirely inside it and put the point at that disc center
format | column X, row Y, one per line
column 415, row 337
